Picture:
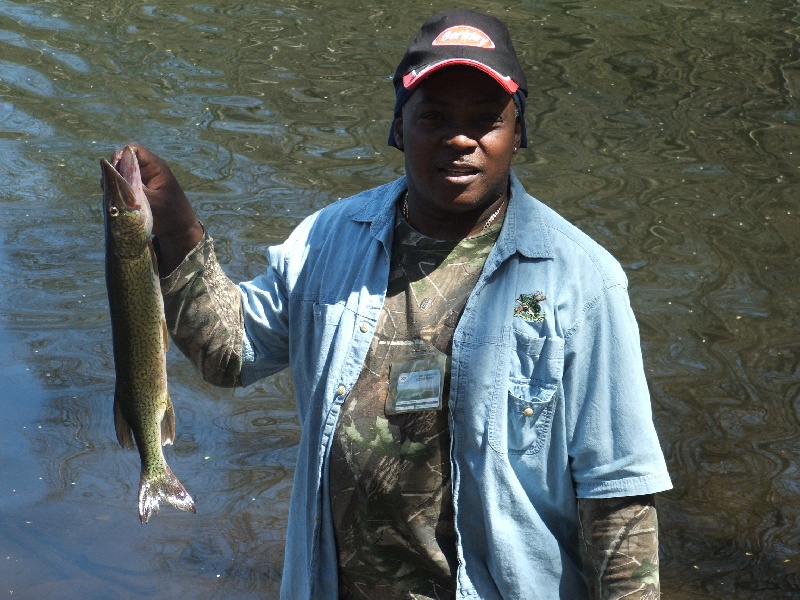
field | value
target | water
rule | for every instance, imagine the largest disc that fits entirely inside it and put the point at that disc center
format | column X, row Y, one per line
column 666, row 130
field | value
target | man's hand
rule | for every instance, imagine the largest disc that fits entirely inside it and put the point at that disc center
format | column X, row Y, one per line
column 175, row 223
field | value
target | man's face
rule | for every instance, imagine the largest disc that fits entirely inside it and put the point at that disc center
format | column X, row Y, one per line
column 459, row 135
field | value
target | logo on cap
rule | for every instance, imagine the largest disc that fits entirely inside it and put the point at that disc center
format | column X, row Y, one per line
column 463, row 35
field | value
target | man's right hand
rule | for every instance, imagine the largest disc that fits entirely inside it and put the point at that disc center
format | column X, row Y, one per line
column 175, row 223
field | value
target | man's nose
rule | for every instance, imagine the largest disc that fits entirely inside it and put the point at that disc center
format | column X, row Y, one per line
column 460, row 139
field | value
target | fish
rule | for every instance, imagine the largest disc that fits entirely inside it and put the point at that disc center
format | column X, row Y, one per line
column 144, row 417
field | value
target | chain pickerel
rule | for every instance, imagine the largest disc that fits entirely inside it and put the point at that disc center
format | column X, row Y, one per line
column 143, row 411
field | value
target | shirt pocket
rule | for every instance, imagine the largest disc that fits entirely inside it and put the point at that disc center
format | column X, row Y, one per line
column 521, row 421
column 325, row 315
column 319, row 331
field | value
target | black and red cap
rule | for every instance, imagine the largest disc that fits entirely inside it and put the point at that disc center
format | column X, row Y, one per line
column 460, row 37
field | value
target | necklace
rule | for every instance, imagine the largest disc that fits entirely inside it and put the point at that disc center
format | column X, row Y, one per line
column 489, row 221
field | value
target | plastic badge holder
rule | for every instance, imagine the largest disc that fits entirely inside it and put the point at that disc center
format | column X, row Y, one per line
column 416, row 383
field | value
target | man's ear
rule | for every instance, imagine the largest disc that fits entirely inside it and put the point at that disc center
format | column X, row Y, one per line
column 398, row 131
column 517, row 136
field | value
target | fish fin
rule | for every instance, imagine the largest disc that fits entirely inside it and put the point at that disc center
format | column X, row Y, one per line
column 162, row 486
column 165, row 334
column 123, row 429
column 168, row 424
column 153, row 256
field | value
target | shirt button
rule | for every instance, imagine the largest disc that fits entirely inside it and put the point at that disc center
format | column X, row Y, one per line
column 341, row 390
column 528, row 412
column 364, row 328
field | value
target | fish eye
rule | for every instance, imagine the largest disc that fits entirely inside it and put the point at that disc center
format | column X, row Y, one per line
column 113, row 211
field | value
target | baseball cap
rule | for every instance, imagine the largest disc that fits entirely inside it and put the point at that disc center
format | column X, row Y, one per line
column 461, row 37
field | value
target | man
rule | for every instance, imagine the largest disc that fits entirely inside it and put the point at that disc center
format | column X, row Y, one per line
column 475, row 417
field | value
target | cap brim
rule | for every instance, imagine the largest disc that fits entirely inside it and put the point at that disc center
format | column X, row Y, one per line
column 413, row 78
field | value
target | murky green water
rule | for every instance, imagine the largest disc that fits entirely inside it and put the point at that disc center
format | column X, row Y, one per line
column 666, row 130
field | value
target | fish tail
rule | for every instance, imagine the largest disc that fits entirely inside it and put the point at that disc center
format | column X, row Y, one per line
column 162, row 486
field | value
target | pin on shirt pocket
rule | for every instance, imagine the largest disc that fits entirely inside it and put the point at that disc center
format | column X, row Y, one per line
column 523, row 427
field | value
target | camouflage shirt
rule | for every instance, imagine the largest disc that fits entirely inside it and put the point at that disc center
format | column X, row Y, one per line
column 391, row 495
column 203, row 309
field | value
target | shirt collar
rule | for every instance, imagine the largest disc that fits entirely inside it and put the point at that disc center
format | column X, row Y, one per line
column 377, row 208
column 523, row 227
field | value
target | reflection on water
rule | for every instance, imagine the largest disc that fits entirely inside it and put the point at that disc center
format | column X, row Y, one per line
column 668, row 131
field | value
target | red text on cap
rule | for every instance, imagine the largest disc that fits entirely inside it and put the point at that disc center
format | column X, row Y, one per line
column 463, row 35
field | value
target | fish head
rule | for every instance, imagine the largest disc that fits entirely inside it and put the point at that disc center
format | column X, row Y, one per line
column 126, row 211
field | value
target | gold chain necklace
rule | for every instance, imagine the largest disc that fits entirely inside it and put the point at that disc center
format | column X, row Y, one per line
column 489, row 221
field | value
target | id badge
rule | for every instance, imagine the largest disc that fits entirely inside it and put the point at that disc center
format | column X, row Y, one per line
column 416, row 383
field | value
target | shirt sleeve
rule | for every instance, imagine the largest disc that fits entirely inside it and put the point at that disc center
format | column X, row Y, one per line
column 612, row 442
column 203, row 309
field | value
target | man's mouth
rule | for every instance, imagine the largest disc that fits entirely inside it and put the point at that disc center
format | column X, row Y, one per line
column 458, row 171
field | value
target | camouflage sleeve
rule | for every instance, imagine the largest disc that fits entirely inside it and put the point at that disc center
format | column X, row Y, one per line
column 204, row 315
column 619, row 545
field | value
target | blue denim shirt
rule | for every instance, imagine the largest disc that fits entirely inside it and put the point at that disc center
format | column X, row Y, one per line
column 541, row 412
